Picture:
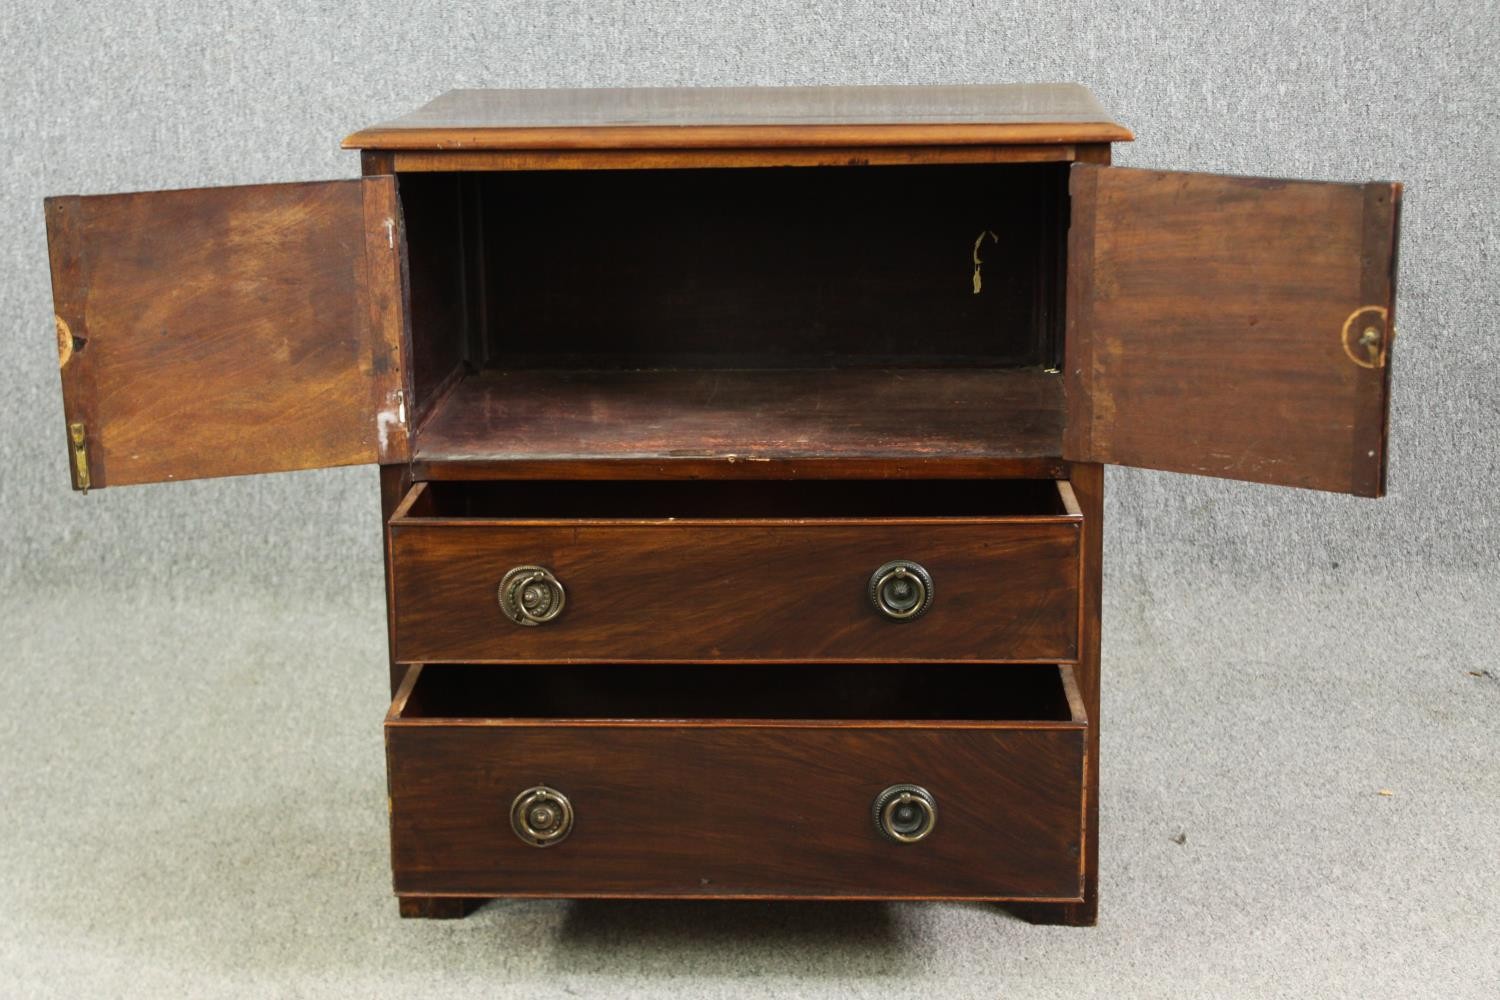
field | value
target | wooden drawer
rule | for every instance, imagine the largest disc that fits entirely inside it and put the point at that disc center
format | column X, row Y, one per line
column 738, row 571
column 741, row 781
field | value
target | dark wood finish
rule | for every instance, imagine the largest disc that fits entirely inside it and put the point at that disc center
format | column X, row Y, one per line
column 1088, row 484
column 424, row 160
column 577, row 295
column 739, row 808
column 443, row 321
column 469, row 469
column 1212, row 325
column 566, row 420
column 1087, row 481
column 374, row 162
column 739, row 117
column 395, row 483
column 437, row 907
column 762, row 269
column 388, row 332
column 735, row 588
column 228, row 331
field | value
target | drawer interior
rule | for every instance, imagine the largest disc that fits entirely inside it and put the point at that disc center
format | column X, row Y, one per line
column 710, row 500
column 689, row 694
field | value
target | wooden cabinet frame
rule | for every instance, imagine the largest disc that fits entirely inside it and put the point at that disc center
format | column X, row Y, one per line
column 1233, row 327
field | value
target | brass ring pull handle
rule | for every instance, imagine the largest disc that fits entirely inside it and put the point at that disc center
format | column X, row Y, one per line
column 905, row 813
column 542, row 816
column 531, row 595
column 901, row 590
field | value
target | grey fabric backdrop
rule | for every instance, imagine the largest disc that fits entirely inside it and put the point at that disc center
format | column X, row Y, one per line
column 131, row 607
column 103, row 98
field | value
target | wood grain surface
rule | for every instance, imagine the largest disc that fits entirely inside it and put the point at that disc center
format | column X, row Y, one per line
column 707, row 117
column 447, row 161
column 760, row 418
column 1087, row 481
column 729, row 809
column 737, row 589
column 218, row 332
column 1214, row 322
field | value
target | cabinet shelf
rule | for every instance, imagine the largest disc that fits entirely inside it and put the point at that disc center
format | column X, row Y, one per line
column 669, row 424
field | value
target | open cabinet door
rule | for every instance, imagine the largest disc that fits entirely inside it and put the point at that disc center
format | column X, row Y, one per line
column 224, row 331
column 1231, row 326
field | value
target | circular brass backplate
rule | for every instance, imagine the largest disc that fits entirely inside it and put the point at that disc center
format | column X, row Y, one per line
column 541, row 816
column 901, row 590
column 531, row 595
column 1364, row 336
column 905, row 813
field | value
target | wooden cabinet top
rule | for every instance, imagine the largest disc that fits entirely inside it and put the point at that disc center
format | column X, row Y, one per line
column 706, row 117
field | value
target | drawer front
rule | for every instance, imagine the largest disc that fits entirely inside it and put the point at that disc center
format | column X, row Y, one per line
column 738, row 810
column 788, row 590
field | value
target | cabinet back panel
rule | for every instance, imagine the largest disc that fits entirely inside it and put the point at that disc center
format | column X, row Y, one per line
column 816, row 267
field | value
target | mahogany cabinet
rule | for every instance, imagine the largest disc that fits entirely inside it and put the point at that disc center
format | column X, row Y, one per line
column 741, row 453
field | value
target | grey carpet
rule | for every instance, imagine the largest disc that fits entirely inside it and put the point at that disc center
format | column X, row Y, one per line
column 194, row 806
column 190, row 751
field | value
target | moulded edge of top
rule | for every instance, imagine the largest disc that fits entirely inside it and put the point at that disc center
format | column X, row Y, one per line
column 729, row 117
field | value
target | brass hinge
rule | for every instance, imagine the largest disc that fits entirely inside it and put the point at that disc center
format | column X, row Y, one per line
column 79, row 437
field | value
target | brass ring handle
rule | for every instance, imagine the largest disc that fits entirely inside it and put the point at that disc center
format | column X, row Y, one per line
column 901, row 590
column 541, row 816
column 531, row 595
column 905, row 813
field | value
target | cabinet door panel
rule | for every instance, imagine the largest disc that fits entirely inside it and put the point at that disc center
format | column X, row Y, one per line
column 1231, row 326
column 225, row 331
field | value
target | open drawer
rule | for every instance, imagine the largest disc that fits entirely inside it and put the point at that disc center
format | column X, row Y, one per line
column 834, row 781
column 771, row 571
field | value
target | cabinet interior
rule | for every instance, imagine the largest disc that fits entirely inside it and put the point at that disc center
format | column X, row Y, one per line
column 628, row 295
column 902, row 692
